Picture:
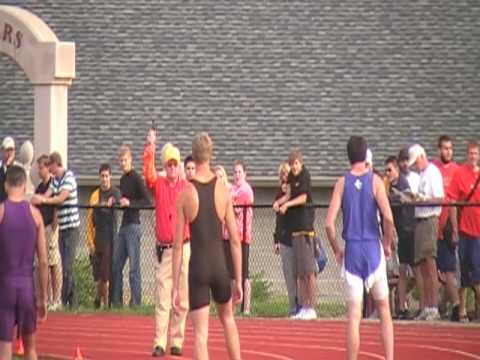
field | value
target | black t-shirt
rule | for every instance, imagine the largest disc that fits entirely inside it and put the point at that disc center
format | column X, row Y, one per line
column 300, row 218
column 403, row 216
column 105, row 219
column 133, row 188
column 47, row 211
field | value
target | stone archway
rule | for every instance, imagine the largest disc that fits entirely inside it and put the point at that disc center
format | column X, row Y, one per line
column 49, row 65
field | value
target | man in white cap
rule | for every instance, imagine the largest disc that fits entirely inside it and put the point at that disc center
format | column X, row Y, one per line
column 8, row 159
column 430, row 190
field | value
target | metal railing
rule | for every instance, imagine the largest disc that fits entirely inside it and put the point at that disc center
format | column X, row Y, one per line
column 269, row 294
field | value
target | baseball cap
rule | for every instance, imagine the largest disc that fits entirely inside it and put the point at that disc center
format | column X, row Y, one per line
column 8, row 143
column 414, row 152
column 171, row 153
column 403, row 154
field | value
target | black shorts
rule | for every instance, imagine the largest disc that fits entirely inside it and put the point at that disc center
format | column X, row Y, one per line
column 446, row 257
column 245, row 259
column 469, row 253
column 206, row 275
column 102, row 264
column 406, row 248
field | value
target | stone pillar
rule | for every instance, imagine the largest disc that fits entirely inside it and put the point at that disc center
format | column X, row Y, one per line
column 50, row 122
column 49, row 65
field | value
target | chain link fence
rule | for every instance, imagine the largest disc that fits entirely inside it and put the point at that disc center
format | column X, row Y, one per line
column 269, row 293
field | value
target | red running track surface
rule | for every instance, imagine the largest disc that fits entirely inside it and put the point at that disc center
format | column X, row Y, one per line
column 127, row 337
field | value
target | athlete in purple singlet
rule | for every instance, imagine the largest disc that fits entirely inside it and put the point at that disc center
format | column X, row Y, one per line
column 21, row 235
column 361, row 194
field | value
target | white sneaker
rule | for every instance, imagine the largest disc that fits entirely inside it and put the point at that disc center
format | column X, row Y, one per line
column 299, row 314
column 57, row 305
column 309, row 314
column 432, row 314
column 423, row 315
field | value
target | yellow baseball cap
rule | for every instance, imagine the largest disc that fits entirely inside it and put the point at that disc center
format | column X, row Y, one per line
column 171, row 153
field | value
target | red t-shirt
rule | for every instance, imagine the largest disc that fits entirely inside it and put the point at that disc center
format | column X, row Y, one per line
column 447, row 170
column 166, row 194
column 461, row 185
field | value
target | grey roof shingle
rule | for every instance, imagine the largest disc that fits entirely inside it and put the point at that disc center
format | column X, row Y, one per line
column 260, row 77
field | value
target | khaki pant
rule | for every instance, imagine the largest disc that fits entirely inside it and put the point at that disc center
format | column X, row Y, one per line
column 165, row 317
column 53, row 251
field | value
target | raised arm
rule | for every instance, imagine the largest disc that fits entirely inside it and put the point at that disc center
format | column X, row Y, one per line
column 332, row 214
column 149, row 170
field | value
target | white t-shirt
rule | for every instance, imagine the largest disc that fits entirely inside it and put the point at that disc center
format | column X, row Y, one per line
column 430, row 186
column 414, row 181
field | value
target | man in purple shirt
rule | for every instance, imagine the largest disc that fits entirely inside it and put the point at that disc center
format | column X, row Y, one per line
column 22, row 234
column 361, row 194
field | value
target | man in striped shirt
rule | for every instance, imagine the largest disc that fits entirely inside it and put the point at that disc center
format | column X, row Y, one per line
column 63, row 193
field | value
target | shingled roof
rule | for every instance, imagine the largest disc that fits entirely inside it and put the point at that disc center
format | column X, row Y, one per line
column 260, row 76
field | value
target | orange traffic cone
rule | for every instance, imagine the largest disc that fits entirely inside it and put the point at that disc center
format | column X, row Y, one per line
column 19, row 347
column 78, row 354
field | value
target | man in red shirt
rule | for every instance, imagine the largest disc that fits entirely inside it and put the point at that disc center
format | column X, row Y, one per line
column 446, row 249
column 165, row 187
column 465, row 187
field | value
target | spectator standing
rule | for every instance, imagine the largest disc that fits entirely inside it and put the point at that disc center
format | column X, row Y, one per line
column 8, row 159
column 465, row 186
column 283, row 244
column 404, row 218
column 296, row 204
column 102, row 232
column 51, row 232
column 412, row 177
column 165, row 190
column 446, row 248
column 127, row 246
column 413, row 181
column 430, row 190
column 221, row 175
column 189, row 167
column 242, row 196
column 63, row 193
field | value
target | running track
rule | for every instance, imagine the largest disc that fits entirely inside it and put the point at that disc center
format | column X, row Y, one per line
column 127, row 337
